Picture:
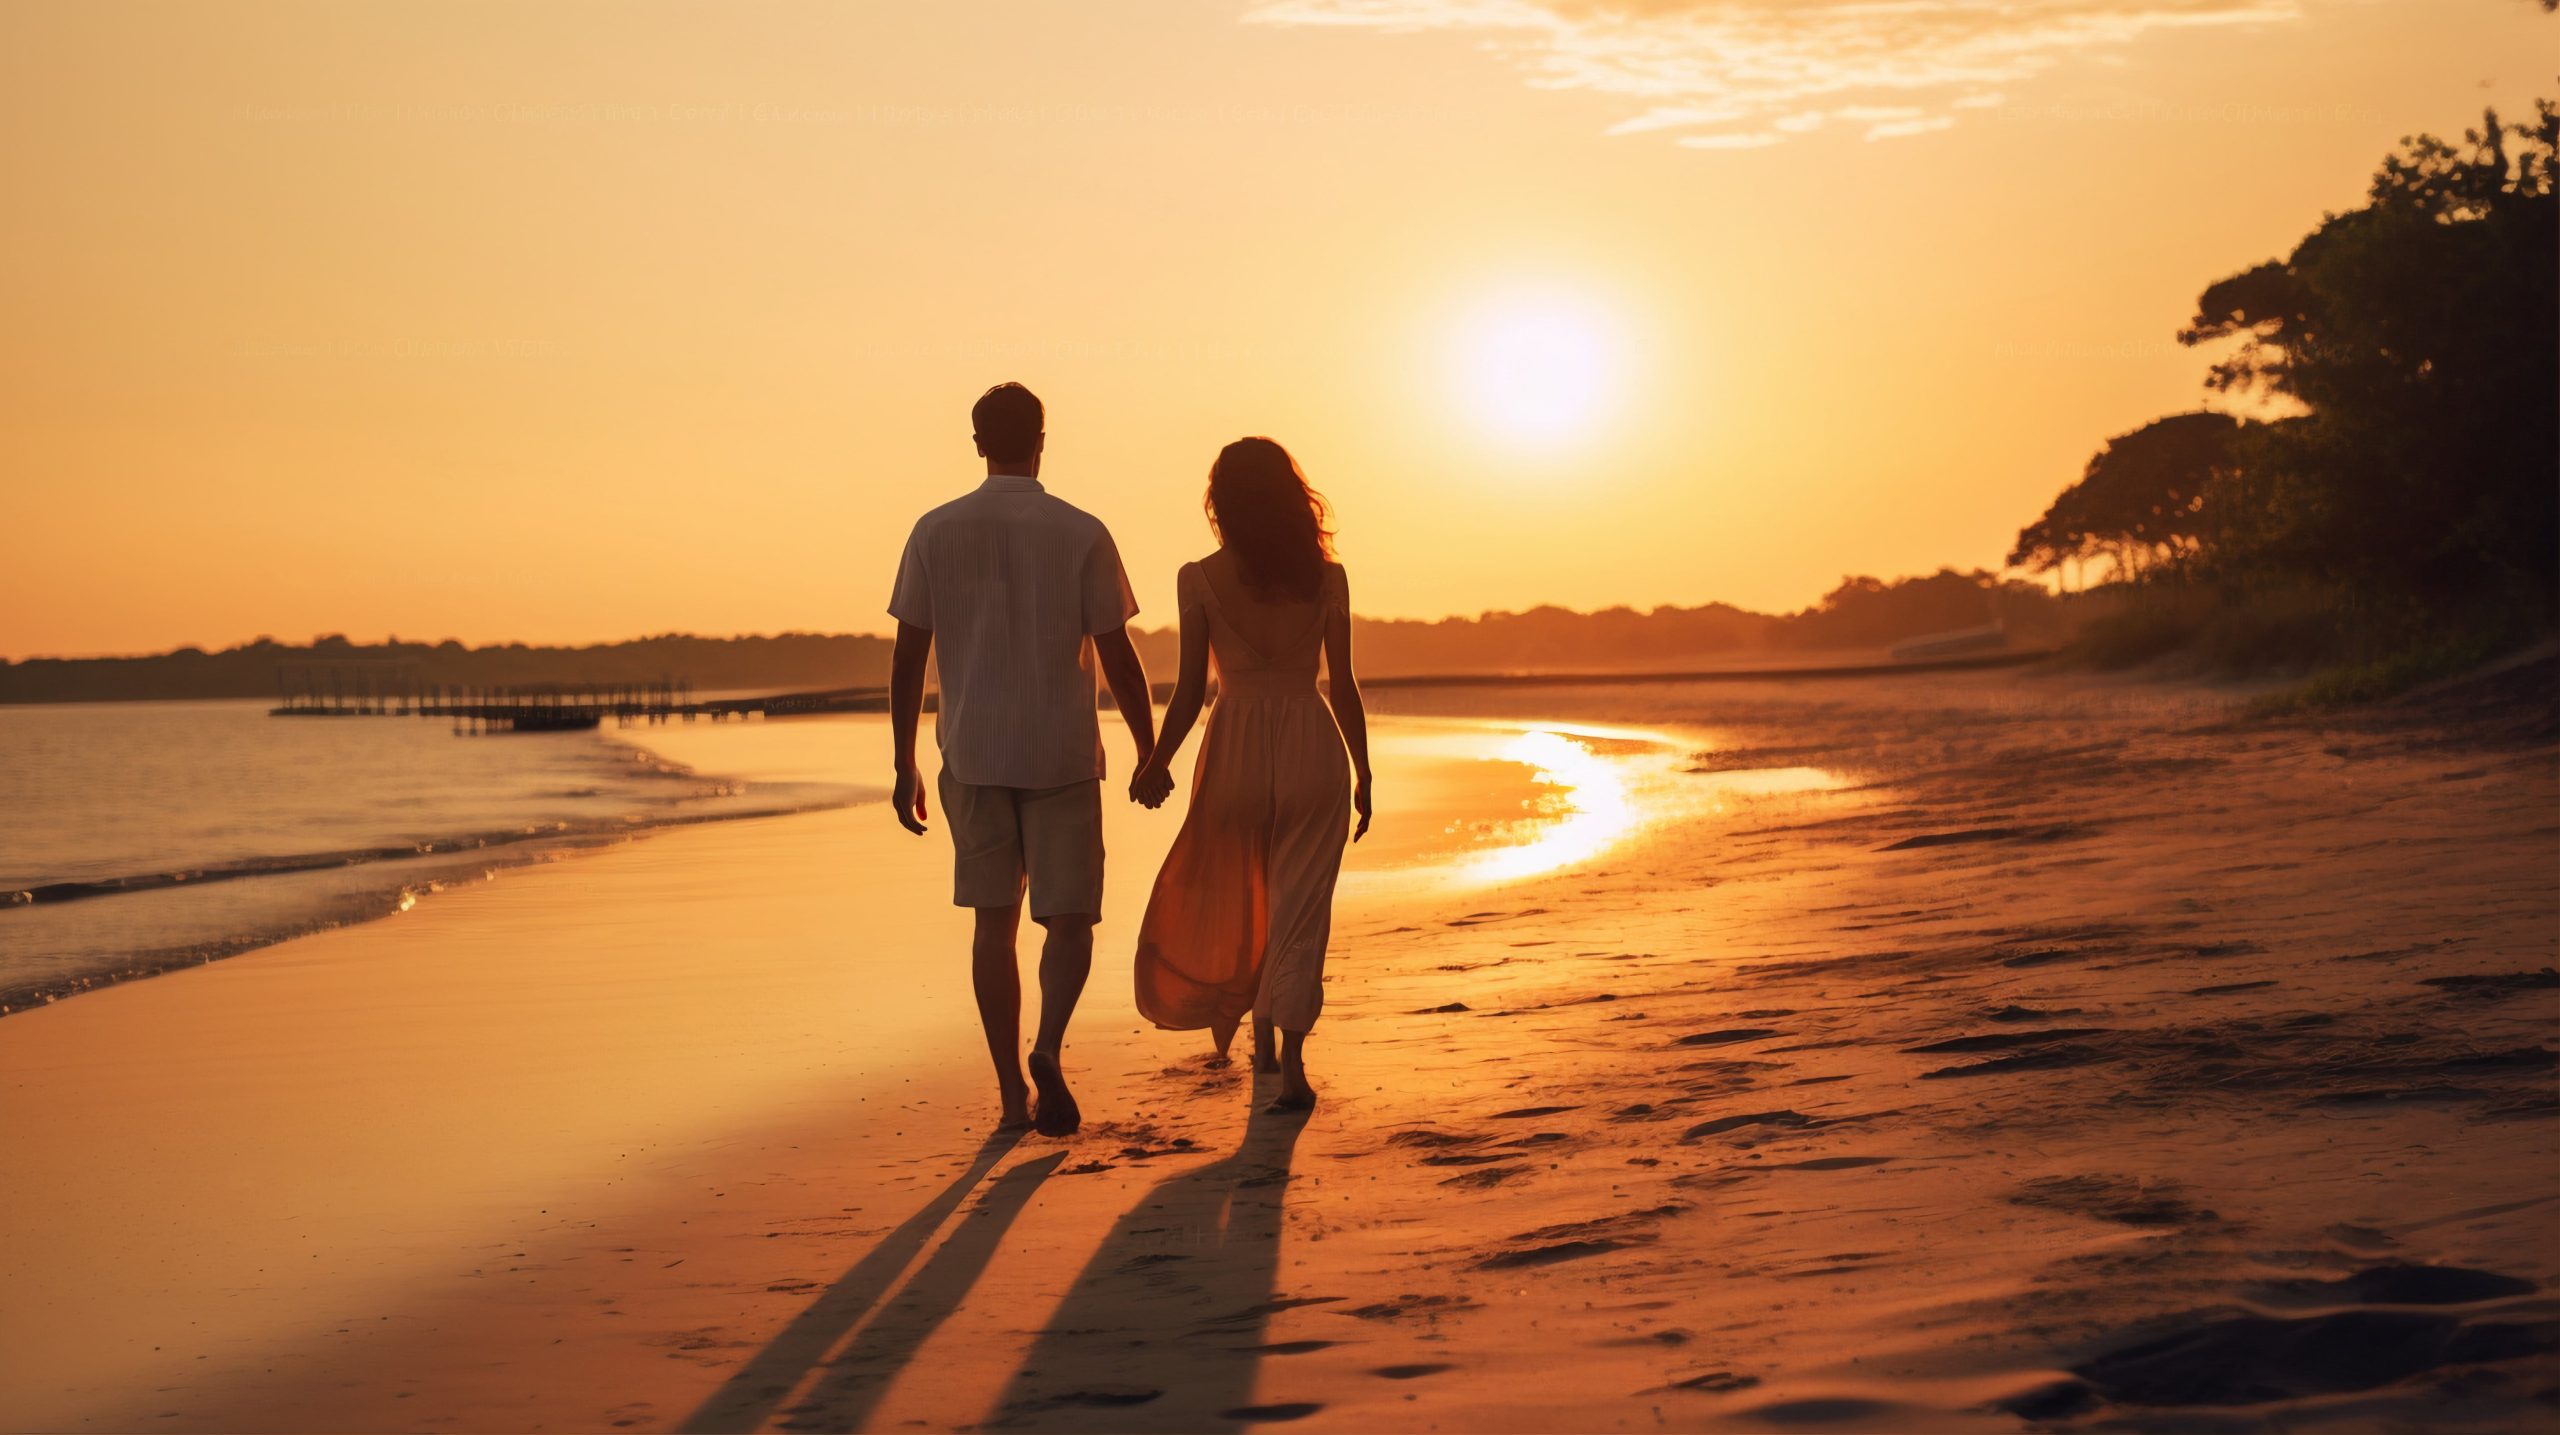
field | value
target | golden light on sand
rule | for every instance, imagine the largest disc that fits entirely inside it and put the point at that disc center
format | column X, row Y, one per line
column 1583, row 807
column 1538, row 367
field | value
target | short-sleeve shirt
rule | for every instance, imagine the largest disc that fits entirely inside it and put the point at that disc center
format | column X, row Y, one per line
column 1014, row 584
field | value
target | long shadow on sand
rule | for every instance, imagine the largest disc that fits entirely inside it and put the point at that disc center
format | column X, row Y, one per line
column 1176, row 1301
column 745, row 1400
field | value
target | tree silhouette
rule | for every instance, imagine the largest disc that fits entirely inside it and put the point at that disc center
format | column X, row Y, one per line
column 2417, row 336
column 2143, row 501
column 2412, row 348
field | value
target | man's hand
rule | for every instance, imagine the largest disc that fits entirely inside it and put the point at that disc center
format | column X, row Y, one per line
column 908, row 798
column 1360, row 804
column 1151, row 786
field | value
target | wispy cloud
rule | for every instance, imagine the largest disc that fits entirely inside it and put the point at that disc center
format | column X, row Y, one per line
column 1743, row 74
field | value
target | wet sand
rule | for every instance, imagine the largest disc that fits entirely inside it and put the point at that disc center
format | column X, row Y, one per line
column 2041, row 1052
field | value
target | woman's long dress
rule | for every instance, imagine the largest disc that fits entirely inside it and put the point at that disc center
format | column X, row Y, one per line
column 1244, row 906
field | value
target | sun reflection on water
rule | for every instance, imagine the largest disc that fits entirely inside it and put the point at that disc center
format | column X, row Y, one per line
column 1583, row 807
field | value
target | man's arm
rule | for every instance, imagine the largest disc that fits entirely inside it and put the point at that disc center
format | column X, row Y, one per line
column 906, row 704
column 1128, row 679
column 1154, row 781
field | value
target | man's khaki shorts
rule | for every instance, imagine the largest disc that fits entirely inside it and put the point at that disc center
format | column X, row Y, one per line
column 1002, row 835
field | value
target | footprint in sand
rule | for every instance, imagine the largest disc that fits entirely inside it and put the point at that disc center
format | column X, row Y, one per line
column 1832, row 1163
column 1575, row 1240
column 2398, row 1284
column 1108, row 1398
column 2006, row 1040
column 1727, row 1037
column 2216, row 1359
column 2052, row 1058
column 1757, row 1118
column 1409, row 1372
column 1405, row 1305
column 2124, row 1200
column 1716, row 1382
column 1548, row 1255
column 1488, row 1177
column 2495, row 985
column 1285, row 1410
column 2014, row 1012
column 1525, row 1111
column 1421, row 1137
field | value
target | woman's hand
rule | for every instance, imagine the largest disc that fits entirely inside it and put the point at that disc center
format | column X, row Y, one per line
column 1360, row 804
column 1151, row 786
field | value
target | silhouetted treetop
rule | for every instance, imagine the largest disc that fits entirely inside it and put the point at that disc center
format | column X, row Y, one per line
column 2411, row 348
column 2141, row 501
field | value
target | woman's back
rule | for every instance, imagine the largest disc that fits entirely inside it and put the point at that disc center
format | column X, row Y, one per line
column 1249, row 631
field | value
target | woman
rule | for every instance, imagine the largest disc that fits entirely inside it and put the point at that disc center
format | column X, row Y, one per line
column 1244, row 905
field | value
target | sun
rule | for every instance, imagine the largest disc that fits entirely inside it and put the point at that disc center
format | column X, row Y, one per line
column 1538, row 367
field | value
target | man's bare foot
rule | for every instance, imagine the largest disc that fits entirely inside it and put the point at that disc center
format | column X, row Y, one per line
column 1056, row 1114
column 1293, row 1098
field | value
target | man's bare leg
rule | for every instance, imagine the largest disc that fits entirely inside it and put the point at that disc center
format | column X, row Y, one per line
column 998, row 980
column 1066, row 959
column 1266, row 1052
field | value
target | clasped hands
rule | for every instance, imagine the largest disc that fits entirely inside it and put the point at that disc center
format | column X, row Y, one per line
column 1151, row 786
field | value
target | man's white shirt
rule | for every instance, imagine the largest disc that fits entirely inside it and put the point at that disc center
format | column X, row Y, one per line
column 1014, row 584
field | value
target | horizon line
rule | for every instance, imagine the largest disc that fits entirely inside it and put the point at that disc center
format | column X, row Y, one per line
column 2003, row 575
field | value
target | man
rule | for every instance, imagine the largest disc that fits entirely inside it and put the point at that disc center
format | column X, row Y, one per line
column 1021, row 593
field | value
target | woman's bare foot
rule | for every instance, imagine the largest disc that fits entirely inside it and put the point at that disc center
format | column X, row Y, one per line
column 1016, row 1107
column 1295, row 1093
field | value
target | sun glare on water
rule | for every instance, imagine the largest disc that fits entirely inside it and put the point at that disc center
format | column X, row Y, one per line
column 1589, row 808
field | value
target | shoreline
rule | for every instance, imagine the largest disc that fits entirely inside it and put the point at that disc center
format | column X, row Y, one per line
column 154, row 922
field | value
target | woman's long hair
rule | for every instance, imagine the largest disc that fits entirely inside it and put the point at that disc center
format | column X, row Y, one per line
column 1263, row 512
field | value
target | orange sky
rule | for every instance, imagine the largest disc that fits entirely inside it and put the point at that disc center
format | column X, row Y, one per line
column 570, row 322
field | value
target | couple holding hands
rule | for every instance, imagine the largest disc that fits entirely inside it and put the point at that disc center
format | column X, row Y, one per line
column 1017, row 597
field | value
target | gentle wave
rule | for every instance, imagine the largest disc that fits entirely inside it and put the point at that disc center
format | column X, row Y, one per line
column 351, row 857
column 52, row 951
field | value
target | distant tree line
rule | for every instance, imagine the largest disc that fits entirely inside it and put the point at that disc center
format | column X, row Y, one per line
column 1862, row 613
column 2408, row 352
column 252, row 670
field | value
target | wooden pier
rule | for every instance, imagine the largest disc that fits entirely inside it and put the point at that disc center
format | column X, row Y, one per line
column 359, row 689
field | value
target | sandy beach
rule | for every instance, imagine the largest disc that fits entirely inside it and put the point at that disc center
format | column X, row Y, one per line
column 1974, row 1052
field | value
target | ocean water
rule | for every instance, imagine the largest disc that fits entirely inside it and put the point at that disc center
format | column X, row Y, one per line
column 144, row 836
column 141, row 837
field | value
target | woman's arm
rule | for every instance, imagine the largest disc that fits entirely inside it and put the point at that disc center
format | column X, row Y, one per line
column 1154, row 782
column 1342, row 689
